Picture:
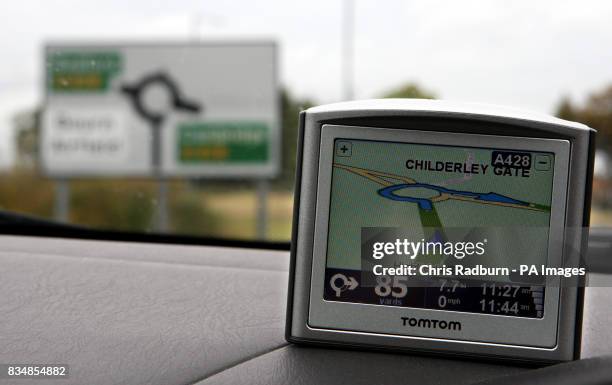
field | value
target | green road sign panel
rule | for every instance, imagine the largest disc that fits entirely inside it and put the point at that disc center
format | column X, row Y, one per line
column 82, row 71
column 223, row 142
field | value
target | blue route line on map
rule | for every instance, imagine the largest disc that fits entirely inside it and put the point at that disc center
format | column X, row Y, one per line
column 426, row 204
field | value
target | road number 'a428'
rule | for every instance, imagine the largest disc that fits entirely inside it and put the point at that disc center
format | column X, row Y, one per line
column 511, row 159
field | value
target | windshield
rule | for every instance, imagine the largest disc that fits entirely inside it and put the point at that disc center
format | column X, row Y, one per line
column 181, row 118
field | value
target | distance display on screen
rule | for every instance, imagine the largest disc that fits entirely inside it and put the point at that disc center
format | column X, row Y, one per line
column 497, row 200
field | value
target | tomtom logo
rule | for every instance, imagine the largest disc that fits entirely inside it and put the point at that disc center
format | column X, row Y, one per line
column 431, row 323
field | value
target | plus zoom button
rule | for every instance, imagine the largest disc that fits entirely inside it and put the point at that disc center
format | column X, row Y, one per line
column 344, row 148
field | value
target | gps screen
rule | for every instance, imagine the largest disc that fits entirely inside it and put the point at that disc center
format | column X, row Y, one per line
column 438, row 210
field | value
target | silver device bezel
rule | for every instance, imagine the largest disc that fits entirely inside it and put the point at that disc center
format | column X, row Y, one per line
column 486, row 328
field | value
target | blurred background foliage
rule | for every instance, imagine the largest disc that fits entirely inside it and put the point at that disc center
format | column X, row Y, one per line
column 410, row 91
column 596, row 112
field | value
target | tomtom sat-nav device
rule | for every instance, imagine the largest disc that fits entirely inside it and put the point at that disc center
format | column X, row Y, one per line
column 439, row 227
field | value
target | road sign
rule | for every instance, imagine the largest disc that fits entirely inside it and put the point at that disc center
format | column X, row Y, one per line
column 192, row 110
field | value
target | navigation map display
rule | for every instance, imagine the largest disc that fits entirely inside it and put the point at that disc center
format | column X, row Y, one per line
column 392, row 202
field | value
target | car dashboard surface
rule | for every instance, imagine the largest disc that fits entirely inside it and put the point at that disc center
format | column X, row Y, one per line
column 136, row 313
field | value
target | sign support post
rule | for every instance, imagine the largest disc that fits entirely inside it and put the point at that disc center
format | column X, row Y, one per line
column 161, row 208
column 263, row 188
column 161, row 215
column 61, row 203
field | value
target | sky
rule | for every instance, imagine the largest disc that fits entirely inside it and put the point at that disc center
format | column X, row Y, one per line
column 526, row 54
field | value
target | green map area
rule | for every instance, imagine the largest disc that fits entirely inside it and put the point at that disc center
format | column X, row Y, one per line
column 372, row 186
